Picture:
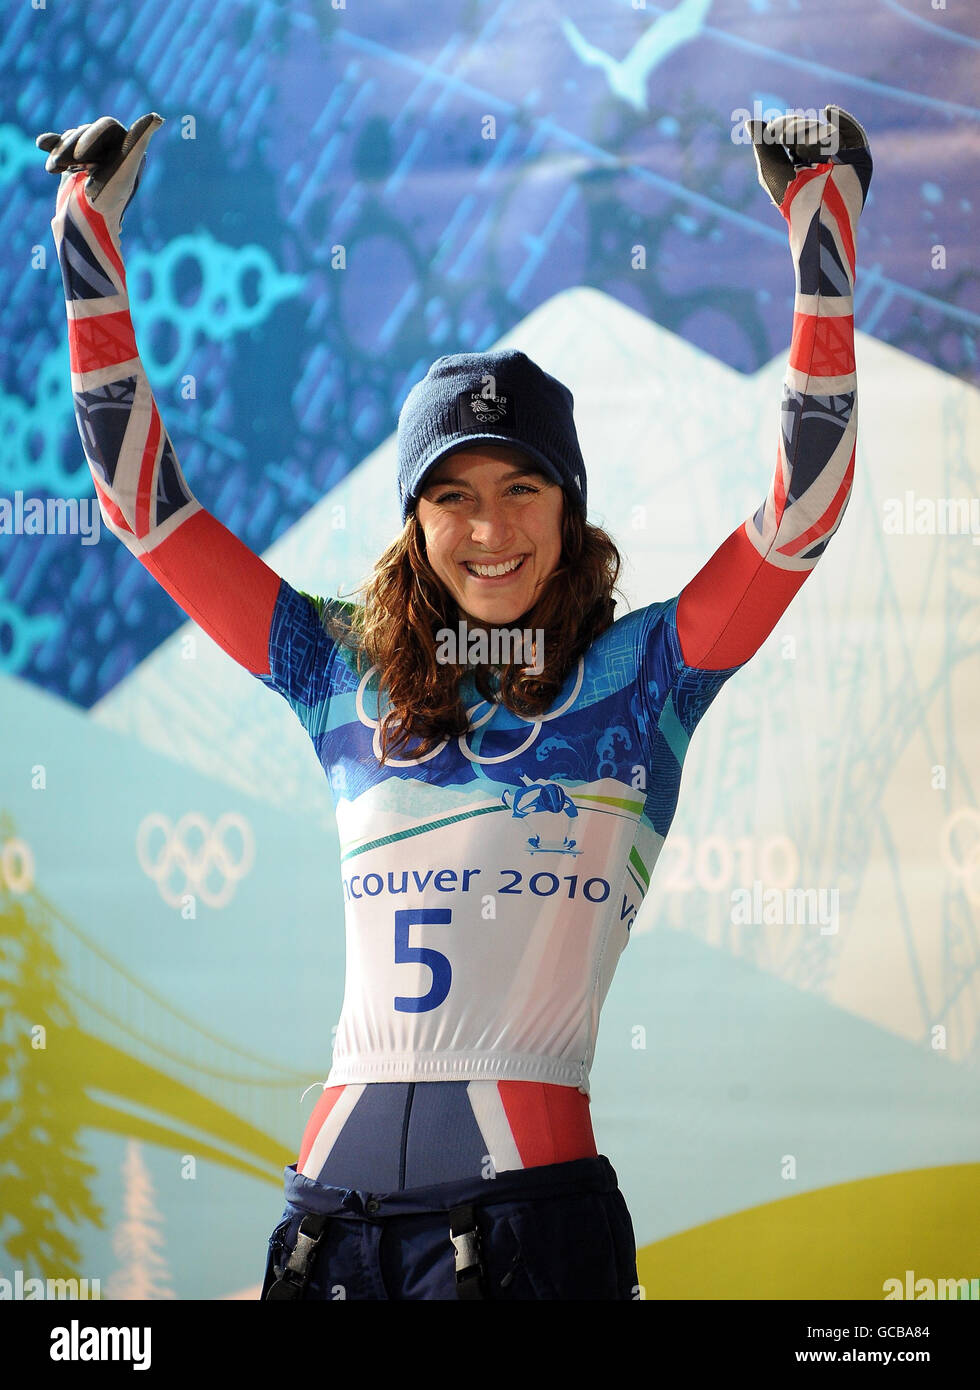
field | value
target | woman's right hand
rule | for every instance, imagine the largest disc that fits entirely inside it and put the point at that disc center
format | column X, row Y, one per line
column 104, row 158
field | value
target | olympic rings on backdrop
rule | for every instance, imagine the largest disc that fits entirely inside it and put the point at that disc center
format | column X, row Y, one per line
column 966, row 867
column 16, row 866
column 176, row 854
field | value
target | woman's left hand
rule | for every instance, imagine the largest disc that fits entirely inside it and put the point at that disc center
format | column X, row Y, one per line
column 790, row 143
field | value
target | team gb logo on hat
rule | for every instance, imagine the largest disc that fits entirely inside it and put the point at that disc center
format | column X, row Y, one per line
column 485, row 410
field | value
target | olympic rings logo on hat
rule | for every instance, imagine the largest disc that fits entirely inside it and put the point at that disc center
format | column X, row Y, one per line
column 186, row 857
column 488, row 410
column 463, row 739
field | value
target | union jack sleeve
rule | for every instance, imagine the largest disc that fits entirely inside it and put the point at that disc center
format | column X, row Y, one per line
column 732, row 604
column 143, row 495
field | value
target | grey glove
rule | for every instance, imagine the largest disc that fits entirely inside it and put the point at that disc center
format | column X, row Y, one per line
column 112, row 155
column 791, row 142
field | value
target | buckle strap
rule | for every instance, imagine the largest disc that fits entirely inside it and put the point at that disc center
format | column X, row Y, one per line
column 465, row 1236
column 294, row 1275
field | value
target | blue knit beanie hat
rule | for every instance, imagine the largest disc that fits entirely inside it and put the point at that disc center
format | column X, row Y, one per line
column 490, row 397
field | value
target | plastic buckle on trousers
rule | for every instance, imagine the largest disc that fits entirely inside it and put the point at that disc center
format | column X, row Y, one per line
column 466, row 1242
column 295, row 1274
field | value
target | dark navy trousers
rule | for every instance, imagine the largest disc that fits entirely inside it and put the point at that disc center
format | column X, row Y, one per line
column 556, row 1231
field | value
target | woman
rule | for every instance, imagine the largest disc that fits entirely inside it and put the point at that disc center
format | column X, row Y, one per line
column 499, row 823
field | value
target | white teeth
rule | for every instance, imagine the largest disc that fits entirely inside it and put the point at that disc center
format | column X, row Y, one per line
column 494, row 571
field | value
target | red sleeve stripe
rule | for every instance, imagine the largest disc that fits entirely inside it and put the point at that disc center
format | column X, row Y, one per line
column 801, row 181
column 103, row 340
column 64, row 191
column 109, row 507
column 837, row 208
column 101, row 233
column 144, row 490
column 822, row 346
column 778, row 488
column 824, row 523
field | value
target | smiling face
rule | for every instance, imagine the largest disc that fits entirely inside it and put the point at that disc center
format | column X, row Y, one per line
column 492, row 531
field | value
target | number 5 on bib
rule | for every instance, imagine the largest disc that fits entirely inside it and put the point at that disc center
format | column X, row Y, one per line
column 442, row 974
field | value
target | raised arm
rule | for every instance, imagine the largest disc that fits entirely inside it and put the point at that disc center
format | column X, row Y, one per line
column 143, row 496
column 819, row 181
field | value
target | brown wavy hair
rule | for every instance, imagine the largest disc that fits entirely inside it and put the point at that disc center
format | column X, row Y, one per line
column 404, row 605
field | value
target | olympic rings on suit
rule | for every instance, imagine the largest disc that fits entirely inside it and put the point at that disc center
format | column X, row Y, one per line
column 464, row 747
